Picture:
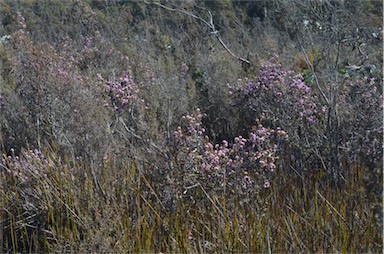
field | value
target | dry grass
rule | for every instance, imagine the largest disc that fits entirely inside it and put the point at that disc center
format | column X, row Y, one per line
column 114, row 207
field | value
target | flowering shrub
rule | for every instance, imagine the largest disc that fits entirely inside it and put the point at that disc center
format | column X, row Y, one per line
column 232, row 169
column 52, row 96
column 27, row 178
column 280, row 98
column 361, row 107
column 318, row 134
column 38, row 186
column 121, row 94
column 30, row 165
column 277, row 93
column 45, row 101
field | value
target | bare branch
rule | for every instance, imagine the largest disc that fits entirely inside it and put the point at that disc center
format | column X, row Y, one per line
column 314, row 74
column 209, row 24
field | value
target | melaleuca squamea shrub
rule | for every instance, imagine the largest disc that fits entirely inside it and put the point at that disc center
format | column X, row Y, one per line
column 281, row 98
column 126, row 111
column 121, row 94
column 236, row 169
column 276, row 93
column 29, row 166
column 51, row 99
column 360, row 115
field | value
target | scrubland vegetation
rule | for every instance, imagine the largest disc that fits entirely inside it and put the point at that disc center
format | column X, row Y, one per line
column 191, row 126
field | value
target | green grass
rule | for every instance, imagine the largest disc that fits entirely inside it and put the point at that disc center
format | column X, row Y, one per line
column 114, row 207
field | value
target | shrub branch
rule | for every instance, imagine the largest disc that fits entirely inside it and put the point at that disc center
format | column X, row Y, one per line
column 209, row 24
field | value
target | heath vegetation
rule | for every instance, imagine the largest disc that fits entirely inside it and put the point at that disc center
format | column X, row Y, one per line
column 191, row 126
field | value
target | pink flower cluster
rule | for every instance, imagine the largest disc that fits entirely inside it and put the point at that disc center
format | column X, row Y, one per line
column 191, row 139
column 277, row 88
column 121, row 93
column 21, row 20
column 246, row 159
column 30, row 165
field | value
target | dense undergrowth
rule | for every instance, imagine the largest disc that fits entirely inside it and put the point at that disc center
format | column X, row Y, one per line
column 191, row 126
column 74, row 206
